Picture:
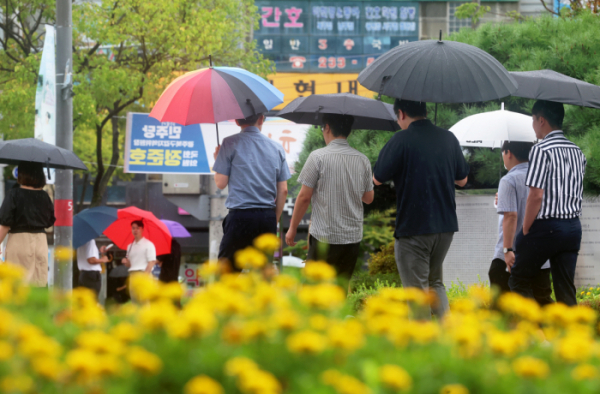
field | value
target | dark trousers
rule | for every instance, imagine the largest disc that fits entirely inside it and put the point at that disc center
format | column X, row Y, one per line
column 91, row 279
column 555, row 239
column 341, row 257
column 541, row 286
column 241, row 226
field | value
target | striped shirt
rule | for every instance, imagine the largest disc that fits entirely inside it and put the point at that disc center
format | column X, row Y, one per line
column 339, row 177
column 557, row 165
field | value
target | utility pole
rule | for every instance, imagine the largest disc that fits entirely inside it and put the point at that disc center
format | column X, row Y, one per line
column 63, row 195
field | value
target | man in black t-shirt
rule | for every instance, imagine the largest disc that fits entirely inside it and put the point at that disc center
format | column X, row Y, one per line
column 425, row 162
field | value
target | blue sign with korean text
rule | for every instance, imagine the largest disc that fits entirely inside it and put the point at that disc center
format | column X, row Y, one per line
column 153, row 147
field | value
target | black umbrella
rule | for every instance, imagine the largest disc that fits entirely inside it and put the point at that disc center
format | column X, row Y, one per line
column 438, row 72
column 553, row 86
column 368, row 113
column 34, row 150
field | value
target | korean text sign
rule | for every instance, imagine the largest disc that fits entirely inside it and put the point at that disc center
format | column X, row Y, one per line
column 161, row 148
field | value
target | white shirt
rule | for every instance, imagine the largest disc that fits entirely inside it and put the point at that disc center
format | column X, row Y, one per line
column 84, row 252
column 140, row 253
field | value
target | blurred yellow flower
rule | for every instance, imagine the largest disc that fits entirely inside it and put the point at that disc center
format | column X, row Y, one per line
column 250, row 258
column 454, row 389
column 143, row 287
column 346, row 335
column 575, row 348
column 588, row 293
column 125, row 332
column 481, row 294
column 584, row 372
column 201, row 320
column 286, row 320
column 239, row 365
column 524, row 308
column 144, row 361
column 344, row 384
column 506, row 343
column 6, row 351
column 318, row 271
column 7, row 323
column 285, row 282
column 258, row 382
column 99, row 342
column 16, row 383
column 40, row 346
column 157, row 315
column 209, row 269
column 233, row 333
column 9, row 271
column 83, row 362
column 318, row 322
column 203, row 385
column 330, row 376
column 530, row 367
column 47, row 367
column 171, row 291
column 395, row 377
column 322, row 296
column 267, row 243
column 306, row 342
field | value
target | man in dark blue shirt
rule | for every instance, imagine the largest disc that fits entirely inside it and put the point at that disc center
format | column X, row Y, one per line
column 425, row 162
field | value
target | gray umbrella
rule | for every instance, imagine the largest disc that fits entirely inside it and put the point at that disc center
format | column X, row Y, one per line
column 553, row 86
column 34, row 150
column 438, row 72
column 368, row 113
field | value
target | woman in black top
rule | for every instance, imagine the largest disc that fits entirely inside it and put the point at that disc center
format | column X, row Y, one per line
column 25, row 214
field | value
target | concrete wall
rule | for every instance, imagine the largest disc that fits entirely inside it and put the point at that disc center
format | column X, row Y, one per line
column 472, row 249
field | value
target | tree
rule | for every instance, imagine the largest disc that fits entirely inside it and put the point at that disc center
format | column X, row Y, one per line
column 125, row 53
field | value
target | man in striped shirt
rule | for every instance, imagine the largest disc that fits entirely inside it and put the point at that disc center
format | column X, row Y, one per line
column 337, row 180
column 551, row 228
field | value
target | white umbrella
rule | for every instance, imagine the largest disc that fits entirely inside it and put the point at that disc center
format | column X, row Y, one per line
column 490, row 129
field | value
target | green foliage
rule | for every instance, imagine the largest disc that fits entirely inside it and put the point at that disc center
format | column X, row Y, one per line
column 384, row 261
column 125, row 54
column 473, row 11
column 364, row 286
column 299, row 250
column 378, row 230
column 590, row 145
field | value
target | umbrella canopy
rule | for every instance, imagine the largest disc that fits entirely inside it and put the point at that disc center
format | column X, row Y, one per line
column 34, row 150
column 368, row 113
column 438, row 72
column 552, row 86
column 176, row 229
column 90, row 223
column 154, row 230
column 215, row 94
column 490, row 129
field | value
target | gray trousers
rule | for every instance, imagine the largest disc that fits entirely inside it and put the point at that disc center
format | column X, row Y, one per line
column 419, row 259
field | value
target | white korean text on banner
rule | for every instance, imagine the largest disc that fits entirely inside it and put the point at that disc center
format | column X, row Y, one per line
column 190, row 149
column 45, row 95
column 163, row 148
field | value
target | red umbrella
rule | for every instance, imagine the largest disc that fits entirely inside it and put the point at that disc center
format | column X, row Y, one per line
column 154, row 230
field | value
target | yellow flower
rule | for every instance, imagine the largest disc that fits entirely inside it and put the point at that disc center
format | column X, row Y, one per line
column 157, row 315
column 47, row 367
column 347, row 335
column 201, row 320
column 16, row 383
column 531, row 367
column 506, row 343
column 454, row 389
column 83, row 361
column 250, row 258
column 481, row 294
column 171, row 291
column 524, row 308
column 39, row 346
column 7, row 322
column 6, row 351
column 255, row 329
column 344, row 384
column 330, row 376
column 588, row 293
column 209, row 269
column 318, row 271
column 584, row 372
column 125, row 332
column 583, row 292
column 322, row 296
column 239, row 365
column 285, row 282
column 395, row 377
column 259, row 382
column 144, row 287
column 574, row 348
column 9, row 271
column 144, row 361
column 203, row 385
column 63, row 253
column 318, row 322
column 286, row 320
column 127, row 310
column 306, row 342
column 233, row 333
column 591, row 288
column 99, row 342
column 268, row 243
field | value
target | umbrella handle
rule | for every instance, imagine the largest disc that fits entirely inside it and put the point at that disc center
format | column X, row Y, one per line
column 217, row 127
column 384, row 80
column 48, row 168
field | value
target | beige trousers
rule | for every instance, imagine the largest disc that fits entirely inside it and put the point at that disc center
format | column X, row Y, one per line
column 30, row 251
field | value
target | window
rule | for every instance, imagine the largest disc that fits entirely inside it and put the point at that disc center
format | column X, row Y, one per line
column 455, row 24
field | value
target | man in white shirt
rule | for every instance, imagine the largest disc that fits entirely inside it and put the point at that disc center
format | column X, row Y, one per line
column 141, row 253
column 88, row 262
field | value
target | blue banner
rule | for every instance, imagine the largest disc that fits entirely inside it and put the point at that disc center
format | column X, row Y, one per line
column 153, row 147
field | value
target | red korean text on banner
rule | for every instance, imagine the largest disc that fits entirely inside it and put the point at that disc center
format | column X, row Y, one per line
column 63, row 210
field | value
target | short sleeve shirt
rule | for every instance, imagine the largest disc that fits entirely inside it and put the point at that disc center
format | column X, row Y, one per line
column 26, row 210
column 423, row 161
column 339, row 176
column 86, row 251
column 254, row 164
column 140, row 253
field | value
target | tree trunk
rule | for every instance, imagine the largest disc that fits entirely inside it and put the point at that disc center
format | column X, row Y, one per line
column 104, row 176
